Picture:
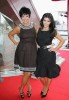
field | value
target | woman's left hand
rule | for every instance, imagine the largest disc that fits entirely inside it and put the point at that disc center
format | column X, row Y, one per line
column 52, row 49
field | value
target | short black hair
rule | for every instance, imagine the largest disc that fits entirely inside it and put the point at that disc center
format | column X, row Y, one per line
column 24, row 11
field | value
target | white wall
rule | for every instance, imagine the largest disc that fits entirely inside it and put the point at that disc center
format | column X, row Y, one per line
column 43, row 6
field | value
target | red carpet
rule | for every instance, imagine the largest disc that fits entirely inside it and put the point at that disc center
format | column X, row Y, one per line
column 59, row 88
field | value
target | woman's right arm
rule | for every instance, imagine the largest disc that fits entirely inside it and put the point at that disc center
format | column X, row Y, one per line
column 11, row 34
column 36, row 28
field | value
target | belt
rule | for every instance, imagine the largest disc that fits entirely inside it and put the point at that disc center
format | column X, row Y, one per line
column 46, row 46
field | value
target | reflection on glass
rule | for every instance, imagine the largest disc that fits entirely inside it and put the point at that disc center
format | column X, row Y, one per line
column 7, row 48
column 1, row 39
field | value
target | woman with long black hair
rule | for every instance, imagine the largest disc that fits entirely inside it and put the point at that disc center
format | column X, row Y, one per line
column 46, row 57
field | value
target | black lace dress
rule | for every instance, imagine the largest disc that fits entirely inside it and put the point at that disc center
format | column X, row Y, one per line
column 26, row 51
column 46, row 60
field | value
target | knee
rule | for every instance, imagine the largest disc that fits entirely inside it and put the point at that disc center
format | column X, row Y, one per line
column 28, row 74
column 42, row 79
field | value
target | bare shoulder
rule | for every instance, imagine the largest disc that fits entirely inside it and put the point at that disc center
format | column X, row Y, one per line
column 58, row 36
column 16, row 30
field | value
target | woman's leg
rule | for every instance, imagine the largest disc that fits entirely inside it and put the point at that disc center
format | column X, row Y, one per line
column 29, row 85
column 43, row 81
column 46, row 86
column 24, row 81
column 29, row 88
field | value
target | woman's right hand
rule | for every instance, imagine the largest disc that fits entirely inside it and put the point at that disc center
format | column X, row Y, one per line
column 16, row 43
column 38, row 46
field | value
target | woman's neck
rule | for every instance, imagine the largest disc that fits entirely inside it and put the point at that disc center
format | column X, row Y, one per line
column 45, row 28
column 27, row 24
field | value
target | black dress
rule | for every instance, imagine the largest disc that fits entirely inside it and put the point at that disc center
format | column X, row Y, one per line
column 26, row 51
column 46, row 60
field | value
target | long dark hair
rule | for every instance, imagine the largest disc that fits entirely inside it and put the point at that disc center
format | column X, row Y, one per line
column 52, row 24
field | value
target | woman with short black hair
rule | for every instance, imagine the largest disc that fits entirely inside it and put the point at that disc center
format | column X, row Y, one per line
column 26, row 51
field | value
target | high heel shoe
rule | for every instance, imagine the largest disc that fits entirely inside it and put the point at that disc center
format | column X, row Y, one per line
column 29, row 93
column 44, row 95
column 21, row 93
column 41, row 92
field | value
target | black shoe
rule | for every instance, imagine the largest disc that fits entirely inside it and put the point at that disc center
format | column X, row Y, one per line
column 41, row 93
column 22, row 95
column 29, row 93
column 44, row 95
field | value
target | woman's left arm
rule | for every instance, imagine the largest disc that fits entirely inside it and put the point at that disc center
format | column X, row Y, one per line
column 36, row 27
column 61, row 42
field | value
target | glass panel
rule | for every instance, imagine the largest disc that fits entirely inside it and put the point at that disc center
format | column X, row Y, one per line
column 7, row 48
